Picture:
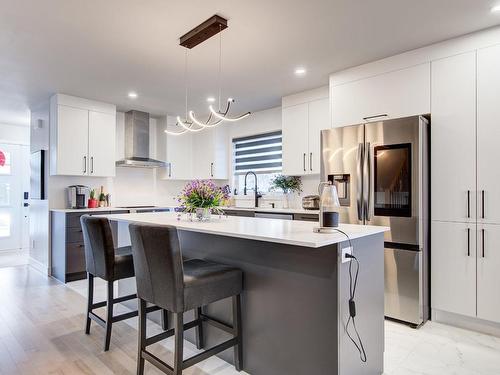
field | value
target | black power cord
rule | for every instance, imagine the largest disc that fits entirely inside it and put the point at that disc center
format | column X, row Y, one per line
column 353, row 284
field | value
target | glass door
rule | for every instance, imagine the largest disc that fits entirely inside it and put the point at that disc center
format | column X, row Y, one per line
column 10, row 197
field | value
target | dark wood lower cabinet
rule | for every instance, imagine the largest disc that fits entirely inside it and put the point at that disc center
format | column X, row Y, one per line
column 67, row 249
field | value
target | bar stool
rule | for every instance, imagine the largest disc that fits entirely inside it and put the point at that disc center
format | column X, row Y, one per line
column 104, row 261
column 163, row 278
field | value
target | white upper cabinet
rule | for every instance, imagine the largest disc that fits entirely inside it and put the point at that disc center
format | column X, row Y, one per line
column 319, row 119
column 82, row 137
column 102, row 130
column 453, row 138
column 295, row 138
column 210, row 153
column 304, row 115
column 400, row 93
column 179, row 157
column 488, row 134
column 71, row 149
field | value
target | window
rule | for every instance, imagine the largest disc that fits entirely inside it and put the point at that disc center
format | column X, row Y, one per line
column 260, row 154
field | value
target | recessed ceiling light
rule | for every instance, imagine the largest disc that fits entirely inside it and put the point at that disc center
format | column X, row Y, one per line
column 495, row 9
column 210, row 99
column 132, row 95
column 300, row 71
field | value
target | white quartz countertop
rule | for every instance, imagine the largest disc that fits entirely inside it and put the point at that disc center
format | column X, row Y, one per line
column 298, row 233
column 274, row 210
column 98, row 209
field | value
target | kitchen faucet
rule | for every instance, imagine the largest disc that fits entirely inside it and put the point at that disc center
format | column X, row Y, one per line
column 257, row 195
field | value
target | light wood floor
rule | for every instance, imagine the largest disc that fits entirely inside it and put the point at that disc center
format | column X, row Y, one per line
column 41, row 332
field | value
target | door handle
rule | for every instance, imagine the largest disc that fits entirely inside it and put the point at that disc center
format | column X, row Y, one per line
column 304, row 161
column 468, row 242
column 170, row 170
column 468, row 203
column 367, row 178
column 482, row 242
column 211, row 169
column 482, row 204
column 91, row 164
column 311, row 161
column 372, row 117
column 84, row 164
column 359, row 184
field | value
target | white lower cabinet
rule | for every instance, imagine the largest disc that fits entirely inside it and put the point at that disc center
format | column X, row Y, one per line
column 453, row 267
column 488, row 272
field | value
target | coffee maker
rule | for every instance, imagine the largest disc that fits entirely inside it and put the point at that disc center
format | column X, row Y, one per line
column 78, row 196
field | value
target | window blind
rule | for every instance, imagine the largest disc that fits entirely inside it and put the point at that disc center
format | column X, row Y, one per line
column 259, row 153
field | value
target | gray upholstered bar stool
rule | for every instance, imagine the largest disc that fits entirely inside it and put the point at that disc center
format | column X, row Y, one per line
column 163, row 278
column 104, row 261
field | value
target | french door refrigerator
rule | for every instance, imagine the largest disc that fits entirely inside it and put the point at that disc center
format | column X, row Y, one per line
column 381, row 172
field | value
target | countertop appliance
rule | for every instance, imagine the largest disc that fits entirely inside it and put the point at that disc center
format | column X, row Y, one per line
column 310, row 202
column 381, row 171
column 137, row 142
column 78, row 196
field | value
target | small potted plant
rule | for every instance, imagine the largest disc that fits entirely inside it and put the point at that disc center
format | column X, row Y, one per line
column 92, row 202
column 289, row 185
column 202, row 198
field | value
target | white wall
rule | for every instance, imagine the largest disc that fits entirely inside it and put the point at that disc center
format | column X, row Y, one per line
column 17, row 134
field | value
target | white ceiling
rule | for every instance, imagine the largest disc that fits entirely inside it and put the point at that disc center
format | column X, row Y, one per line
column 102, row 49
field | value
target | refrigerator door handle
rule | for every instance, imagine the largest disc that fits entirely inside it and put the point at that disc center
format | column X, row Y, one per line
column 359, row 185
column 367, row 179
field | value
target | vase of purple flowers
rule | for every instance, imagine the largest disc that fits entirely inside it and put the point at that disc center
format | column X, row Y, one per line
column 202, row 198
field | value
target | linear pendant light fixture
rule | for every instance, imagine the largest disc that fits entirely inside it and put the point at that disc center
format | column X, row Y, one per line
column 214, row 25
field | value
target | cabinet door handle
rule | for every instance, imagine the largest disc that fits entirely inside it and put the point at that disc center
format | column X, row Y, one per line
column 211, row 169
column 311, row 161
column 482, row 204
column 92, row 164
column 170, row 170
column 468, row 242
column 468, row 203
column 304, row 161
column 482, row 242
column 84, row 164
column 372, row 117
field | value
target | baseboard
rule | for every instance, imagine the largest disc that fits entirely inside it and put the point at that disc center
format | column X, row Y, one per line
column 39, row 266
column 14, row 252
column 466, row 322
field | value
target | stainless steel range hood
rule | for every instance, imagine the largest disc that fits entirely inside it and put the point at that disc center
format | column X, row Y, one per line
column 137, row 142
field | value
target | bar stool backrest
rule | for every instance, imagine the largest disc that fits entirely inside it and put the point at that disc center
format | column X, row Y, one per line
column 158, row 265
column 99, row 247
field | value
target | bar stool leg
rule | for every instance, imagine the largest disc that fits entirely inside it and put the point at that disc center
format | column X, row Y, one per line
column 179, row 342
column 164, row 320
column 90, row 301
column 109, row 316
column 199, row 329
column 141, row 345
column 238, row 349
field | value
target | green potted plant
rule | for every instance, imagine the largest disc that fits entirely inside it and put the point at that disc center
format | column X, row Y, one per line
column 92, row 202
column 289, row 185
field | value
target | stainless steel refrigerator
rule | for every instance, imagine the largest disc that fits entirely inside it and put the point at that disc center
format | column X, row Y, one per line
column 381, row 171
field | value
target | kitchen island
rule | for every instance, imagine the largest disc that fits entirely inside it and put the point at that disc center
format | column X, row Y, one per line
column 296, row 290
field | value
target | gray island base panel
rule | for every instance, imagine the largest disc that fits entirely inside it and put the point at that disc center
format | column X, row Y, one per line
column 295, row 303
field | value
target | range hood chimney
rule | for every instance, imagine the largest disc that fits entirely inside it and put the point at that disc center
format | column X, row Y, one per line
column 137, row 142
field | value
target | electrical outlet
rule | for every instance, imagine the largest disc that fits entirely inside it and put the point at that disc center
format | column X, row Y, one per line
column 346, row 250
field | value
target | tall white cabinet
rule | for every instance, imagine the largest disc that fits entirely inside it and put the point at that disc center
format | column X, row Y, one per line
column 304, row 115
column 466, row 184
column 82, row 137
